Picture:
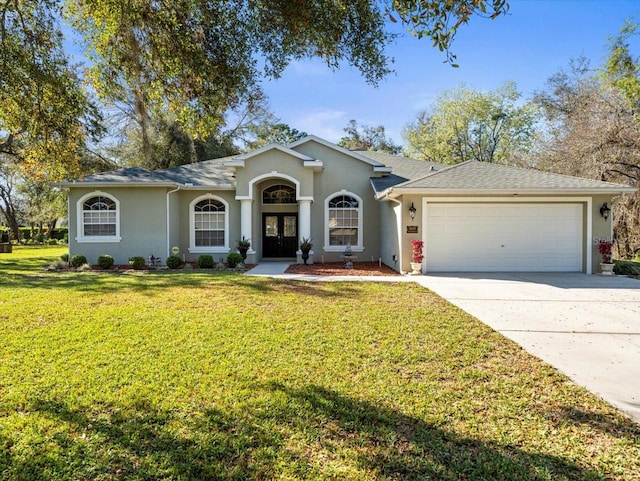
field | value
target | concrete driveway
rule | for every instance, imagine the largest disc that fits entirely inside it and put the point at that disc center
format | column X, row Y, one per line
column 588, row 327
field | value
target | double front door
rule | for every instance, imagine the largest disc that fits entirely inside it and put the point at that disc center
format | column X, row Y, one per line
column 279, row 235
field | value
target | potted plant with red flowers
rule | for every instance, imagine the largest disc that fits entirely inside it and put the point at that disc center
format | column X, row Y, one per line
column 416, row 256
column 605, row 248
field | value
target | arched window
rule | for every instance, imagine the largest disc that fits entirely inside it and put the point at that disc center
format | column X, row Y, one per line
column 343, row 222
column 279, row 194
column 98, row 218
column 209, row 225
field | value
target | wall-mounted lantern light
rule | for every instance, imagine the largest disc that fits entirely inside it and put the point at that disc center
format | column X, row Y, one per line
column 605, row 210
column 412, row 211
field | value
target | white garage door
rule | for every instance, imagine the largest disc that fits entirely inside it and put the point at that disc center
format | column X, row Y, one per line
column 503, row 237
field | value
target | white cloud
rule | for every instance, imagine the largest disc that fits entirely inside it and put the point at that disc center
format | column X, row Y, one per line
column 325, row 123
column 309, row 68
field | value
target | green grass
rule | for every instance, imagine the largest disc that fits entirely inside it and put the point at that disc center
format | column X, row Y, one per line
column 207, row 375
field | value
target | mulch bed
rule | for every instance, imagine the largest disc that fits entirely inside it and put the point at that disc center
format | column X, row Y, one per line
column 338, row 269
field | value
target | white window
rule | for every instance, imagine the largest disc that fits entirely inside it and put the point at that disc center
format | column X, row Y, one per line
column 343, row 222
column 98, row 218
column 209, row 225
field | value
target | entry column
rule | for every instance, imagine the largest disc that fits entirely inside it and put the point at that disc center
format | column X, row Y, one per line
column 246, row 222
column 304, row 220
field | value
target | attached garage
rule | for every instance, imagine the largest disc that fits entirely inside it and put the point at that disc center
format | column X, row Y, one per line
column 495, row 236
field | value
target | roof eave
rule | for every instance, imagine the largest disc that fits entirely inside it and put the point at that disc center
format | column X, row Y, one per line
column 69, row 184
column 397, row 191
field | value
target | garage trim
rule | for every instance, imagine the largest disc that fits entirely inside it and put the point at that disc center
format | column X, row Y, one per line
column 517, row 199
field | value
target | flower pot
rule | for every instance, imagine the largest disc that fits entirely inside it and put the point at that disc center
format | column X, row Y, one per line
column 305, row 255
column 416, row 268
column 243, row 253
column 606, row 269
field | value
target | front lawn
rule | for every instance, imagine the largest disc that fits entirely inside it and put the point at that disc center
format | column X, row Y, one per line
column 207, row 375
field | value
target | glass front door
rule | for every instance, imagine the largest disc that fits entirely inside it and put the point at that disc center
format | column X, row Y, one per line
column 279, row 235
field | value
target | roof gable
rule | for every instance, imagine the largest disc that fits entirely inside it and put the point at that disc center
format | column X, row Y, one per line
column 377, row 166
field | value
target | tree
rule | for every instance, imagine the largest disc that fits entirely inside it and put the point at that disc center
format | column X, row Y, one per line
column 466, row 125
column 9, row 203
column 440, row 20
column 367, row 138
column 45, row 114
column 197, row 59
column 594, row 130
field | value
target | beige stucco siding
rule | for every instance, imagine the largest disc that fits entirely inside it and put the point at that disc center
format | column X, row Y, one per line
column 271, row 164
column 142, row 215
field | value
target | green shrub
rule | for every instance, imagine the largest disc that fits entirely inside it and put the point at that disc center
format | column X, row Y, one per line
column 627, row 268
column 65, row 258
column 173, row 262
column 78, row 260
column 52, row 242
column 205, row 261
column 105, row 261
column 40, row 238
column 137, row 262
column 233, row 259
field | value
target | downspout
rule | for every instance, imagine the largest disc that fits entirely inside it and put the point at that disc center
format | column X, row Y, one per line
column 168, row 229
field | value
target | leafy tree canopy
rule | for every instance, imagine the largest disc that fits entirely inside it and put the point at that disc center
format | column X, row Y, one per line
column 466, row 124
column 367, row 138
column 45, row 113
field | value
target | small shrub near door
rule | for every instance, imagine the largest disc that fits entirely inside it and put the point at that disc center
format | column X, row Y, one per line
column 137, row 262
column 78, row 260
column 205, row 261
column 233, row 260
column 173, row 262
column 105, row 262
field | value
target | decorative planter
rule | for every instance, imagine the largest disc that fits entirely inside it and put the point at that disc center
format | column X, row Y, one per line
column 416, row 268
column 606, row 269
column 305, row 255
column 243, row 253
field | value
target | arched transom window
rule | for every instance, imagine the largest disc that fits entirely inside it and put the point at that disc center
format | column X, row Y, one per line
column 209, row 217
column 344, row 222
column 279, row 194
column 99, row 217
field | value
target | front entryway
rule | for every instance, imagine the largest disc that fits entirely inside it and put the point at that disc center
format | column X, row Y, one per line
column 279, row 235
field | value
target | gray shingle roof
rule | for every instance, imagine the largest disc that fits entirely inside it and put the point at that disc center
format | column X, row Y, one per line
column 130, row 174
column 474, row 175
column 206, row 173
column 403, row 166
column 209, row 172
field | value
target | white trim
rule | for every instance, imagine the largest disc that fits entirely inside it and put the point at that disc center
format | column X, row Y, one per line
column 80, row 237
column 359, row 247
column 271, row 175
column 192, row 224
column 268, row 147
column 337, row 148
column 588, row 201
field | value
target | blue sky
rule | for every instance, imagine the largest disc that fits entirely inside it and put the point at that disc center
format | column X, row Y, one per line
column 536, row 40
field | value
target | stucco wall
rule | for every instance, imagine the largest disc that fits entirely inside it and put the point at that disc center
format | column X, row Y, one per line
column 390, row 214
column 142, row 224
column 601, row 228
column 182, row 213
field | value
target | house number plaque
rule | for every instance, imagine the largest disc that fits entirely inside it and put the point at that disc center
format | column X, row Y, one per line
column 412, row 229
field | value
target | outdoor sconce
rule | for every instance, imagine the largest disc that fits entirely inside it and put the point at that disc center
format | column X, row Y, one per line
column 412, row 211
column 605, row 210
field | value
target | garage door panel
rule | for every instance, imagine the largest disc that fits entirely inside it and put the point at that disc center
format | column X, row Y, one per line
column 504, row 237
